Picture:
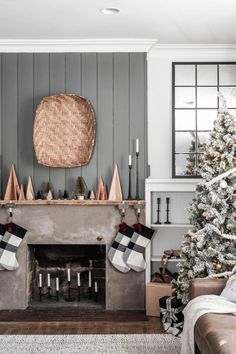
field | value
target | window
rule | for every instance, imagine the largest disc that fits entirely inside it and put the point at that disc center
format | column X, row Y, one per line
column 194, row 105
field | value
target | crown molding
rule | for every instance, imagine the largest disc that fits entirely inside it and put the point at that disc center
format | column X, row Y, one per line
column 76, row 45
column 160, row 50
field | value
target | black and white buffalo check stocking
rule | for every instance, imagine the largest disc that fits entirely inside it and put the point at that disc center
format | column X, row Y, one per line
column 134, row 254
column 9, row 244
column 118, row 247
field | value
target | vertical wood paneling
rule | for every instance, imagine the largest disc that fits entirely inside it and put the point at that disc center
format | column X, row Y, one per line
column 89, row 90
column 137, row 112
column 105, row 117
column 73, row 85
column 115, row 85
column 9, row 113
column 57, row 85
column 25, row 117
column 41, row 89
column 121, row 116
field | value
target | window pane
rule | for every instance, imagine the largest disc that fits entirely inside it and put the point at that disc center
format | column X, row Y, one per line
column 184, row 97
column 202, row 139
column 207, row 97
column 205, row 118
column 185, row 119
column 229, row 94
column 207, row 75
column 227, row 74
column 185, row 164
column 184, row 75
column 185, row 142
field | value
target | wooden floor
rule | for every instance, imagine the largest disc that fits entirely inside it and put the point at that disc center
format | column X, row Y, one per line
column 74, row 321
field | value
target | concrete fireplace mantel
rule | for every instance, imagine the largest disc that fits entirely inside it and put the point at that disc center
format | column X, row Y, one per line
column 71, row 224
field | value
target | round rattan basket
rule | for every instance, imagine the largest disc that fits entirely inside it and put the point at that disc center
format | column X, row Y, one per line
column 64, row 131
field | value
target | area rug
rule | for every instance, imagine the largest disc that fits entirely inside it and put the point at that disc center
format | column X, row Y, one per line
column 90, row 344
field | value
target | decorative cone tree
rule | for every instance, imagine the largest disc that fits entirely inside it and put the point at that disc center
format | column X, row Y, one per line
column 209, row 248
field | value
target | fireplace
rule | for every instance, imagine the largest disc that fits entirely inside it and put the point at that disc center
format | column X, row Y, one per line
column 67, row 275
column 75, row 227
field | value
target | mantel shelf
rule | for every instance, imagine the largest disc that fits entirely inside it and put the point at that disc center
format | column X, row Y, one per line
column 72, row 202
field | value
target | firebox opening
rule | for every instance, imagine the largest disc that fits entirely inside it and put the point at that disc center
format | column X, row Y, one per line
column 67, row 275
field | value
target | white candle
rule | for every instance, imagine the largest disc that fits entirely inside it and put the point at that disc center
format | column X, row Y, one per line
column 78, row 279
column 49, row 280
column 57, row 284
column 68, row 274
column 130, row 160
column 40, row 280
column 90, row 279
column 137, row 145
column 96, row 287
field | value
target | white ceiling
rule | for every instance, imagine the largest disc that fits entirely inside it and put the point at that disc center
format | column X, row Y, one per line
column 168, row 21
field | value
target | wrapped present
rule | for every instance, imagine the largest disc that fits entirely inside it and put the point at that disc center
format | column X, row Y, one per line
column 171, row 310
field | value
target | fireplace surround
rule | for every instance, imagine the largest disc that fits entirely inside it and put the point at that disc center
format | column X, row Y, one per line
column 58, row 225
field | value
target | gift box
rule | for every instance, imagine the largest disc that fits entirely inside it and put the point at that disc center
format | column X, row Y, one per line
column 171, row 311
column 155, row 291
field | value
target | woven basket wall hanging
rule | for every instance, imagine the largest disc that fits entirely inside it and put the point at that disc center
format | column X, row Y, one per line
column 64, row 131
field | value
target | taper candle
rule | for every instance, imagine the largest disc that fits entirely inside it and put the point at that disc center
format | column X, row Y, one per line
column 49, row 280
column 96, row 287
column 130, row 160
column 90, row 279
column 78, row 279
column 57, row 284
column 137, row 145
column 68, row 275
column 40, row 280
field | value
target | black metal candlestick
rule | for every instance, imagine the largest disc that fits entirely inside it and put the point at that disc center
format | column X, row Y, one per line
column 130, row 185
column 49, row 292
column 96, row 296
column 158, row 211
column 137, row 177
column 78, row 294
column 57, row 295
column 167, row 211
column 69, row 297
column 40, row 293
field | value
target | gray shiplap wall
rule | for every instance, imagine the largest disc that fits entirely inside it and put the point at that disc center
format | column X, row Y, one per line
column 116, row 86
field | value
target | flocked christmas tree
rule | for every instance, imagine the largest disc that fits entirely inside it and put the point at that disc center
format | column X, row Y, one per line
column 209, row 248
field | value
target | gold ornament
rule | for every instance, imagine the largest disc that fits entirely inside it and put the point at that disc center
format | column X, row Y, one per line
column 218, row 267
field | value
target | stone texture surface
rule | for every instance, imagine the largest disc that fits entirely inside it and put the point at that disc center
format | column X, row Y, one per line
column 71, row 225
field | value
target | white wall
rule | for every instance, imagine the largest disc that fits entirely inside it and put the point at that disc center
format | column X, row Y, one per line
column 160, row 97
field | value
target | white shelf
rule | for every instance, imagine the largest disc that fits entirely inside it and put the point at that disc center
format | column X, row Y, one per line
column 158, row 259
column 155, row 226
column 168, row 236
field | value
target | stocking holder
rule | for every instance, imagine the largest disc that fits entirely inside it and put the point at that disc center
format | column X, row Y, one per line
column 10, row 206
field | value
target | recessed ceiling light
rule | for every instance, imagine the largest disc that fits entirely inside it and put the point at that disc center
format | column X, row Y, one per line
column 109, row 10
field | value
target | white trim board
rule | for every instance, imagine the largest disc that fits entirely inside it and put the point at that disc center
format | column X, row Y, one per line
column 191, row 50
column 76, row 45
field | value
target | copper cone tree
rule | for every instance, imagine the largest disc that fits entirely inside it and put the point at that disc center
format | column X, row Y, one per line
column 13, row 188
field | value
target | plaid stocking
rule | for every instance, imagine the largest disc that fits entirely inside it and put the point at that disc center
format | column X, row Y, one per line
column 133, row 255
column 9, row 244
column 119, row 246
column 2, row 232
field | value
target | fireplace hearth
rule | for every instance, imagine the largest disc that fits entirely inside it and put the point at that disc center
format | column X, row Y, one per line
column 62, row 275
